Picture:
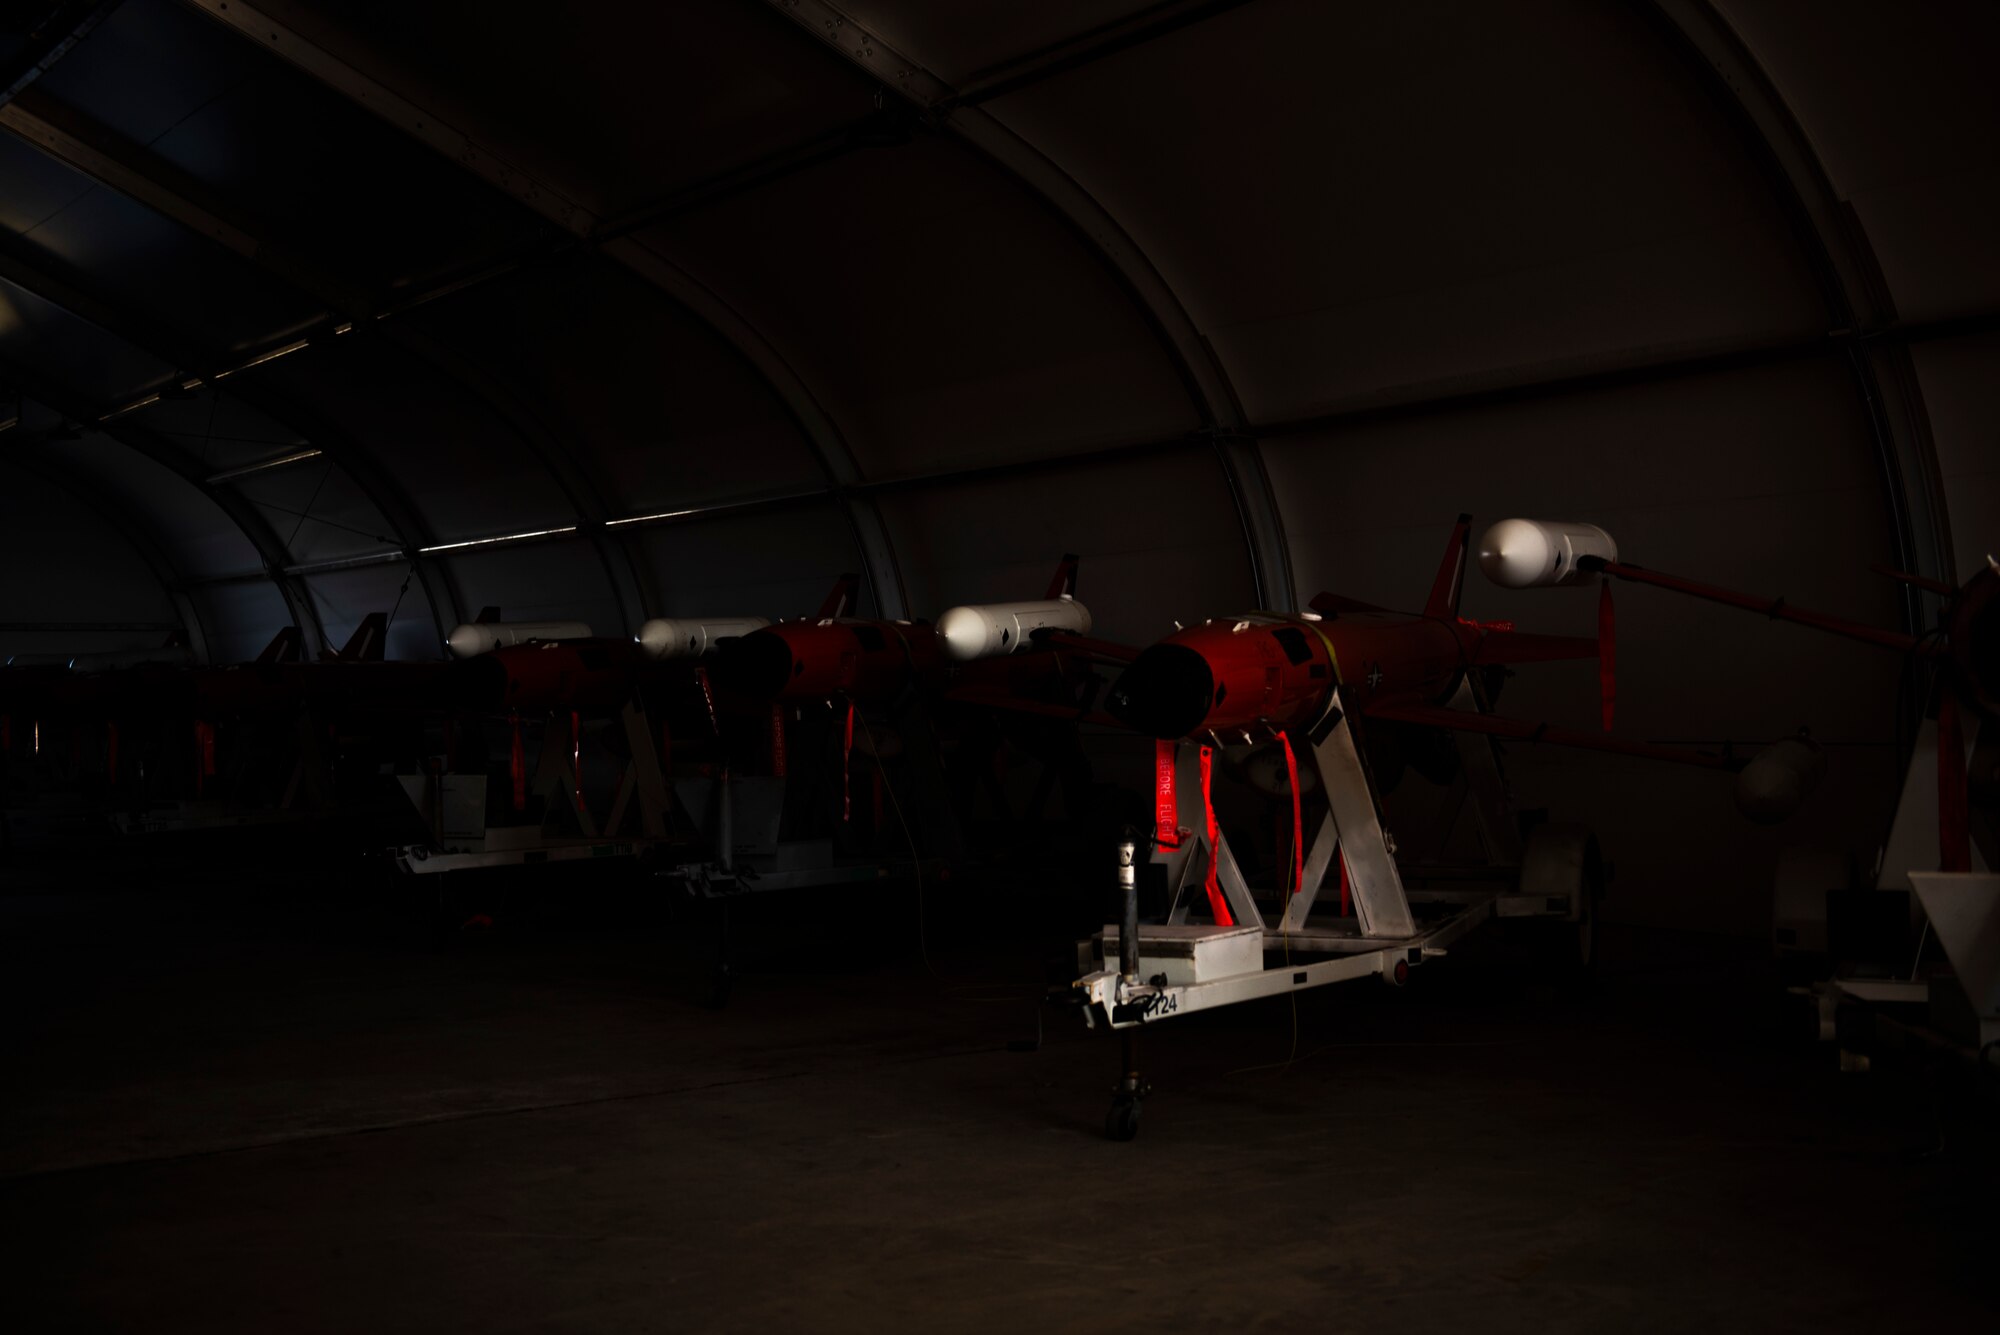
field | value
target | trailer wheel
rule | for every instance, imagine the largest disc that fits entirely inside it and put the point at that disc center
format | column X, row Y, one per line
column 1122, row 1122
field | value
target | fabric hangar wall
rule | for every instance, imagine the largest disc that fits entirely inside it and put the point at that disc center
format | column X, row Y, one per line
column 309, row 310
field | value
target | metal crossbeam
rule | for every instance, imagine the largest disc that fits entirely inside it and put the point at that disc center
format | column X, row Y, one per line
column 1213, row 397
column 870, row 531
column 135, row 528
column 72, row 138
column 249, row 520
column 1850, row 281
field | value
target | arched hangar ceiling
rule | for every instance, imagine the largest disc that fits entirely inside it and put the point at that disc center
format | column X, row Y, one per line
column 655, row 308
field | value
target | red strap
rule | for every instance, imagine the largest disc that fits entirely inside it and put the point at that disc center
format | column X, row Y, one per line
column 1298, row 820
column 778, row 740
column 1218, row 907
column 846, row 758
column 708, row 700
column 1607, row 653
column 517, row 766
column 1166, row 808
column 1954, row 830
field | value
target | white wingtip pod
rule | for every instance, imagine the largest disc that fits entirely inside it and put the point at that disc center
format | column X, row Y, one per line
column 691, row 637
column 1540, row 553
column 1778, row 780
column 992, row 630
column 482, row 637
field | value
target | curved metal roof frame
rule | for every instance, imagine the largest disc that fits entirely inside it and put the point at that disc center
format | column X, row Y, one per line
column 1858, row 306
column 1861, row 313
column 1214, row 399
column 630, row 587
column 62, row 33
column 141, row 176
column 135, row 528
column 245, row 516
column 441, row 591
column 824, row 438
column 1850, row 280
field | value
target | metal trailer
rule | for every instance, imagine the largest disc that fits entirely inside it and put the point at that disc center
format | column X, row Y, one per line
column 716, row 833
column 1961, row 910
column 1135, row 975
column 454, row 808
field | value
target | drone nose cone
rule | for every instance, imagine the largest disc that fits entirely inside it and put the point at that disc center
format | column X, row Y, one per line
column 965, row 634
column 468, row 640
column 758, row 665
column 1166, row 692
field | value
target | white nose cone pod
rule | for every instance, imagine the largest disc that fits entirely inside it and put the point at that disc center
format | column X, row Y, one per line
column 992, row 630
column 1779, row 779
column 483, row 637
column 691, row 637
column 1540, row 553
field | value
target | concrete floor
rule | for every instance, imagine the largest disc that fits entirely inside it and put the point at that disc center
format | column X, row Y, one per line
column 254, row 1111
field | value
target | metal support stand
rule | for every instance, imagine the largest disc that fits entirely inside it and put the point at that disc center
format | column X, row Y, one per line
column 1128, row 902
column 1122, row 1122
column 1351, row 831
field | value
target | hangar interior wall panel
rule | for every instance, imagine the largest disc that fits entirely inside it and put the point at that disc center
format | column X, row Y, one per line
column 81, row 358
column 1763, row 480
column 221, row 430
column 469, row 472
column 673, row 415
column 959, row 41
column 242, row 617
column 778, row 565
column 227, row 113
column 148, row 67
column 667, row 102
column 1961, row 384
column 65, row 562
column 317, row 510
column 543, row 581
column 202, row 538
column 1900, row 104
column 346, row 597
column 938, row 312
column 150, row 267
column 1416, row 194
column 1159, row 540
column 38, row 186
